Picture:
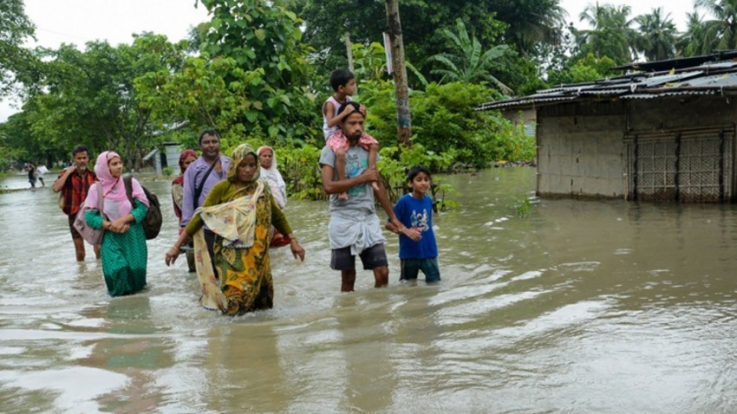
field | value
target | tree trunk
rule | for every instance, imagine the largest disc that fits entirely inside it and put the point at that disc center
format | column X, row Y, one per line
column 404, row 119
column 349, row 51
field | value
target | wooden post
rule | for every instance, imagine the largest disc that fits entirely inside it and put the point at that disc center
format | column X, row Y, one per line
column 349, row 51
column 404, row 118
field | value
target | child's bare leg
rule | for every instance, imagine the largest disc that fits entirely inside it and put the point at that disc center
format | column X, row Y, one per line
column 373, row 154
column 340, row 169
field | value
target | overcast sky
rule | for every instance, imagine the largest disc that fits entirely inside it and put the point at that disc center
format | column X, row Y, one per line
column 79, row 21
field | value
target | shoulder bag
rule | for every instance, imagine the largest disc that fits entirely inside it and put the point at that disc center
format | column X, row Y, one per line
column 91, row 235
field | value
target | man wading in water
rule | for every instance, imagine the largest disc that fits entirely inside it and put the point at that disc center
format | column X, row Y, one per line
column 200, row 177
column 74, row 183
column 354, row 227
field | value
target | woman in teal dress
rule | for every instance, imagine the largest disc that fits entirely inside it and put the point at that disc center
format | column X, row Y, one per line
column 124, row 252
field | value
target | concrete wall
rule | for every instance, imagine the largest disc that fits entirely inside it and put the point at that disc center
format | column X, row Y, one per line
column 581, row 152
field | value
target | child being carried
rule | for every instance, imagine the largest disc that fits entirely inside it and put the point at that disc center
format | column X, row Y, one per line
column 344, row 85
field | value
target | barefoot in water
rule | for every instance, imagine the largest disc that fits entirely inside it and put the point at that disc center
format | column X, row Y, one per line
column 343, row 196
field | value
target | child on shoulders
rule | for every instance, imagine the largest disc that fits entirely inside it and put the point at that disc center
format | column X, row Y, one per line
column 417, row 247
column 344, row 85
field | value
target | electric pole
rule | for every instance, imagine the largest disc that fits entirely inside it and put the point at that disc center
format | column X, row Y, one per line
column 399, row 70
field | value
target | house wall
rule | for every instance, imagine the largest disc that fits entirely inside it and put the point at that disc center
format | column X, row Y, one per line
column 581, row 150
column 679, row 113
column 685, row 146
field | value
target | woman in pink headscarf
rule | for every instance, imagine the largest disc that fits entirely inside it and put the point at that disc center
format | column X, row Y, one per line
column 124, row 252
column 187, row 157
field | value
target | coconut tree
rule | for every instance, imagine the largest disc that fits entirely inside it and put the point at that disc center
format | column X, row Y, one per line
column 721, row 32
column 611, row 33
column 543, row 24
column 695, row 40
column 468, row 61
column 658, row 35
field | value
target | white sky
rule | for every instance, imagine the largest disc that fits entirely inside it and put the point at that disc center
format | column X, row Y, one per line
column 79, row 21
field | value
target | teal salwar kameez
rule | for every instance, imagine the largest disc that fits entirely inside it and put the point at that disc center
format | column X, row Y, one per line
column 124, row 256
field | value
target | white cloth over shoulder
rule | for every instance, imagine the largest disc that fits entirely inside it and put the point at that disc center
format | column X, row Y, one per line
column 355, row 228
column 234, row 221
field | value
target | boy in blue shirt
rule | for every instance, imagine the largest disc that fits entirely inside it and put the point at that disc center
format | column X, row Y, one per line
column 414, row 210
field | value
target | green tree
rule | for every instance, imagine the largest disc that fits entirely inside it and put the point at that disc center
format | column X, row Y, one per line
column 89, row 97
column 469, row 62
column 531, row 23
column 16, row 141
column 523, row 23
column 658, row 35
column 15, row 28
column 720, row 32
column 263, row 42
column 610, row 35
column 695, row 40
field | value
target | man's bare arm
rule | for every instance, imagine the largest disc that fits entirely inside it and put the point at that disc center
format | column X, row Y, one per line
column 59, row 183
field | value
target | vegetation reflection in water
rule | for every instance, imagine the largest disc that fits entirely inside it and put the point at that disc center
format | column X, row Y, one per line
column 579, row 306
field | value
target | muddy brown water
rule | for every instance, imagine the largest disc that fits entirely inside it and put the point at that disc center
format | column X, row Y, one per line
column 579, row 307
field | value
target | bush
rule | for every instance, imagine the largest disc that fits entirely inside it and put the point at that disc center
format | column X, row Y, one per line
column 445, row 120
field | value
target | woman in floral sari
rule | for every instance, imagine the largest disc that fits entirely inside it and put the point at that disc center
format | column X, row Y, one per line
column 123, row 252
column 240, row 211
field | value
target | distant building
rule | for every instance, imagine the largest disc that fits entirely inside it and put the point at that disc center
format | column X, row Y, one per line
column 666, row 133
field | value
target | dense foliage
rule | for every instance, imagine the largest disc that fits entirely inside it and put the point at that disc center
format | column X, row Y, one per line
column 15, row 28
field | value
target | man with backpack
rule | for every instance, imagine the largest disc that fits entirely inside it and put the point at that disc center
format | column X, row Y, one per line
column 201, row 176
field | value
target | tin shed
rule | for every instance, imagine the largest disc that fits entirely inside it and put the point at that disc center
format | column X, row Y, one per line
column 663, row 135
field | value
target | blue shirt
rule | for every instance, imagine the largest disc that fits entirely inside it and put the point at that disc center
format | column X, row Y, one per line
column 194, row 174
column 416, row 213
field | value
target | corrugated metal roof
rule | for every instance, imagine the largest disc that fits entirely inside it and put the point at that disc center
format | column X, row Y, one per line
column 663, row 79
column 717, row 81
column 720, row 65
column 666, row 94
column 524, row 101
column 698, row 80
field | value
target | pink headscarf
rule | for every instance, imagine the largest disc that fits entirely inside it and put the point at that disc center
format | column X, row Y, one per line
column 113, row 189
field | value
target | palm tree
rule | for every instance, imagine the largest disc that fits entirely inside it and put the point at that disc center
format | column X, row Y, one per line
column 468, row 62
column 544, row 26
column 694, row 41
column 721, row 33
column 657, row 35
column 611, row 34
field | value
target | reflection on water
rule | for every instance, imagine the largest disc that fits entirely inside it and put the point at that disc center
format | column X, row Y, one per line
column 583, row 306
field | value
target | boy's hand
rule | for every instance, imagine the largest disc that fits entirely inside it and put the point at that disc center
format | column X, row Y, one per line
column 362, row 109
column 413, row 234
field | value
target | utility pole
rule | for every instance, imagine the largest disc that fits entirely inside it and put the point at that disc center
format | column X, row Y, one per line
column 399, row 69
column 349, row 50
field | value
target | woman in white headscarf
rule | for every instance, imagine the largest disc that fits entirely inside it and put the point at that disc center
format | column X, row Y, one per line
column 271, row 176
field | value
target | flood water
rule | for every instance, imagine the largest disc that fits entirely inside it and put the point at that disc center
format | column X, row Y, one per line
column 579, row 307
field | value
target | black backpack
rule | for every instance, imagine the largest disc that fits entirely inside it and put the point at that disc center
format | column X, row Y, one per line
column 152, row 222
